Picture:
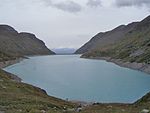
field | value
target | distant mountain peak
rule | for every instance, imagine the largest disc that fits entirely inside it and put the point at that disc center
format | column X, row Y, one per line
column 64, row 50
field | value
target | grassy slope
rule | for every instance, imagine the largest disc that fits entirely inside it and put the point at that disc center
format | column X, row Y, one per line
column 134, row 47
column 116, row 108
column 137, row 107
column 18, row 97
column 6, row 57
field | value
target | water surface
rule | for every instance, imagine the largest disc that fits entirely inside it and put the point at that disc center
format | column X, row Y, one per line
column 68, row 76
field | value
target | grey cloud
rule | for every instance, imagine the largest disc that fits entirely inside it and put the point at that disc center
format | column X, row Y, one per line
column 68, row 5
column 94, row 3
column 126, row 3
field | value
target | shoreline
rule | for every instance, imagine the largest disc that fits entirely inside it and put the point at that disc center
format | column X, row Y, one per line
column 10, row 62
column 82, row 103
column 143, row 67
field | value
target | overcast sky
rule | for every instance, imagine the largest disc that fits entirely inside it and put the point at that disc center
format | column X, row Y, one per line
column 70, row 23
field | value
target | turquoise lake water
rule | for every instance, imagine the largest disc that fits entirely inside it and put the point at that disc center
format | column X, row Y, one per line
column 69, row 76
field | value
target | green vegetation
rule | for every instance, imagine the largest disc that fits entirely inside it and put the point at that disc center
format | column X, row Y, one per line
column 133, row 46
column 16, row 97
column 117, row 108
column 5, row 57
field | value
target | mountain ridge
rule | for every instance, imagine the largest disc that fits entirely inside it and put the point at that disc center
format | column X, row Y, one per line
column 14, row 43
column 106, row 36
column 127, row 46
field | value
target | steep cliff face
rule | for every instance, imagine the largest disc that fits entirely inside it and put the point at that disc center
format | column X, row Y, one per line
column 129, row 43
column 20, row 44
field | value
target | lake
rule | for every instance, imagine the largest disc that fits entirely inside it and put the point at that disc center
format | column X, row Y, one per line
column 74, row 78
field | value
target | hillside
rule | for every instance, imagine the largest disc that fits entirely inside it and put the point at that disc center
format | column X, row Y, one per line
column 141, row 106
column 13, row 43
column 131, row 43
column 106, row 38
column 17, row 97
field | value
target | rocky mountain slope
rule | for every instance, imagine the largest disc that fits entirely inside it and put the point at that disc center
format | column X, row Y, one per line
column 13, row 43
column 131, row 43
column 106, row 38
